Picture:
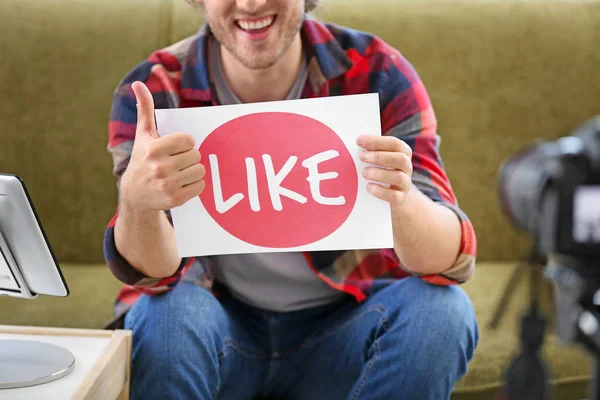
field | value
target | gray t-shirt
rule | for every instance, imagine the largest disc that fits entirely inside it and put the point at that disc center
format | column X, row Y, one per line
column 280, row 282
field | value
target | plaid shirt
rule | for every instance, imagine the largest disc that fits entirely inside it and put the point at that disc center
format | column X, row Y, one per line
column 341, row 62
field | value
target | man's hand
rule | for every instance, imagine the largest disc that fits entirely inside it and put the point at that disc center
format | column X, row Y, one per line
column 427, row 235
column 163, row 172
column 392, row 167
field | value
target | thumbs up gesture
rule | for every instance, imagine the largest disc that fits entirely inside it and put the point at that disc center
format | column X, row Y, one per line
column 163, row 172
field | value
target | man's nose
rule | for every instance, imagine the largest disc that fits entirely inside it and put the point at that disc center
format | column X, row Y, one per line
column 250, row 6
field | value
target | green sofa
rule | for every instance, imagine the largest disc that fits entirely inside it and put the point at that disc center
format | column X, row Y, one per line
column 500, row 74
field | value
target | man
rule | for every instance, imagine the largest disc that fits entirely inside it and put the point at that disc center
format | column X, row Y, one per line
column 390, row 323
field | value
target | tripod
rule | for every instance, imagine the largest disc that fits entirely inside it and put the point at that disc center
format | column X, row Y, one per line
column 527, row 376
column 577, row 321
column 577, row 295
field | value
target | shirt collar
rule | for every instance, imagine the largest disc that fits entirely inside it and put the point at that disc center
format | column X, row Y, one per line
column 326, row 59
column 195, row 83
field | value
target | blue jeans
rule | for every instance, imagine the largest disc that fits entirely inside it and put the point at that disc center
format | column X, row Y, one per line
column 410, row 340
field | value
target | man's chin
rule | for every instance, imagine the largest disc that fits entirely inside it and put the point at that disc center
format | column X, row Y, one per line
column 257, row 63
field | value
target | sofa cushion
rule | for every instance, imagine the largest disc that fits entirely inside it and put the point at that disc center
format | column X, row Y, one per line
column 89, row 305
column 93, row 289
column 500, row 74
column 61, row 62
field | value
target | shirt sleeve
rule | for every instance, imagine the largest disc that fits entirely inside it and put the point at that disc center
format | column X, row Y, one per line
column 407, row 113
column 121, row 134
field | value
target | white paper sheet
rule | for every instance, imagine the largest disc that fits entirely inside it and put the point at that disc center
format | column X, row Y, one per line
column 249, row 220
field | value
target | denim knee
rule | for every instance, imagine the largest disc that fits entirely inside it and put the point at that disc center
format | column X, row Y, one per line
column 167, row 323
column 443, row 315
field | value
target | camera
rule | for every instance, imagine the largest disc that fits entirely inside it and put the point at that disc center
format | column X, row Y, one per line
column 551, row 190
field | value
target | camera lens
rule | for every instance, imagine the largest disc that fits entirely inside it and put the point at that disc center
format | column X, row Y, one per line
column 522, row 180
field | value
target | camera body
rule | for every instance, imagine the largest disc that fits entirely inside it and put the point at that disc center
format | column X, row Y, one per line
column 551, row 190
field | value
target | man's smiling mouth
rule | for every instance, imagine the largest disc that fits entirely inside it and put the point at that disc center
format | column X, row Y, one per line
column 256, row 24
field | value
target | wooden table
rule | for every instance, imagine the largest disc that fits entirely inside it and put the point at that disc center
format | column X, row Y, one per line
column 102, row 364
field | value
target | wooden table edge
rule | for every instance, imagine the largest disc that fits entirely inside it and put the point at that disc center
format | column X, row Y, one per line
column 120, row 341
column 53, row 331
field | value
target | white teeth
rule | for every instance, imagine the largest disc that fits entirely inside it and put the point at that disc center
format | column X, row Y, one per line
column 247, row 26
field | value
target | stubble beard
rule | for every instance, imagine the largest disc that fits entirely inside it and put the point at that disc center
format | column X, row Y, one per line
column 262, row 59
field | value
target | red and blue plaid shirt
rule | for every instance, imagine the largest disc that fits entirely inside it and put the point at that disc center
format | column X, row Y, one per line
column 341, row 62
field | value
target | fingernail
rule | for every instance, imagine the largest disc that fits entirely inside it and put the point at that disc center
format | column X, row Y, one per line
column 361, row 141
column 363, row 156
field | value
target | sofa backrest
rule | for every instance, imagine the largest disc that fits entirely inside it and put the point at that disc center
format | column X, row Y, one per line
column 500, row 74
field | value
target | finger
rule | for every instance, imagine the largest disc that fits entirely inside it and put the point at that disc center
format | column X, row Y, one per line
column 145, row 107
column 388, row 159
column 384, row 143
column 191, row 175
column 193, row 190
column 186, row 159
column 389, row 195
column 393, row 177
column 176, row 143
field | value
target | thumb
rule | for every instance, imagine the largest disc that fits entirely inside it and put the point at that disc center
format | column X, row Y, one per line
column 145, row 106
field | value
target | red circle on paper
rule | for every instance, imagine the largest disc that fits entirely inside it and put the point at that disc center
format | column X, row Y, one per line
column 280, row 135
